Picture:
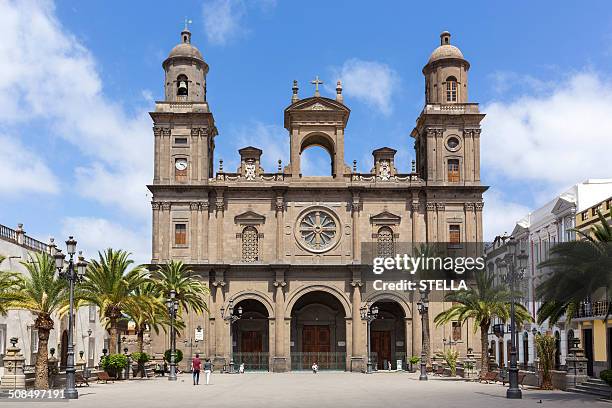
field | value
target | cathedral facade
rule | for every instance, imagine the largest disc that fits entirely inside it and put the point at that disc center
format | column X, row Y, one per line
column 281, row 252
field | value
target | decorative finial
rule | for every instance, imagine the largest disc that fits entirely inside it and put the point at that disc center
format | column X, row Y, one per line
column 294, row 97
column 413, row 166
column 339, row 96
column 354, row 166
column 13, row 341
column 445, row 38
column 186, row 34
column 280, row 165
column 220, row 165
column 316, row 82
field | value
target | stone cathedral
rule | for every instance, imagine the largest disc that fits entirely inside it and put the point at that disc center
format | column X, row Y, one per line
column 282, row 251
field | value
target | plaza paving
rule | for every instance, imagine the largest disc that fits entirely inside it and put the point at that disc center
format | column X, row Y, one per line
column 326, row 389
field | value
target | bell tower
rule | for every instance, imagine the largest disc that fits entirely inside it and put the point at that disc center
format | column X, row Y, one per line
column 447, row 134
column 184, row 127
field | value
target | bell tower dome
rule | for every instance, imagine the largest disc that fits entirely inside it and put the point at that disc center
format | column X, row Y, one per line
column 186, row 72
column 446, row 80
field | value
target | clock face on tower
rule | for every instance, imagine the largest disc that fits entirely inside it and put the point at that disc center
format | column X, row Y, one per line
column 181, row 164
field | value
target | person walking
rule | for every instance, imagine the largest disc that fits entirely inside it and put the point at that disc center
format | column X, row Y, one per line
column 315, row 368
column 207, row 370
column 196, row 365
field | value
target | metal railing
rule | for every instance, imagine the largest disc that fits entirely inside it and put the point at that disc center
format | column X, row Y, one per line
column 254, row 361
column 325, row 360
column 593, row 309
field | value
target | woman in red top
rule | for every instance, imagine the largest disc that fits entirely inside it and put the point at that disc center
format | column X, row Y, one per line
column 196, row 365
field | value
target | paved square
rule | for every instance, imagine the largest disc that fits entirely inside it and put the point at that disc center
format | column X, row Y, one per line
column 326, row 389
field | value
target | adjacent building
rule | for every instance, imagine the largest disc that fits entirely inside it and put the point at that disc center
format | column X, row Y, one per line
column 593, row 327
column 90, row 337
column 536, row 233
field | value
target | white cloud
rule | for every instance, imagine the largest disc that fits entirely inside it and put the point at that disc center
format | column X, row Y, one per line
column 371, row 82
column 557, row 139
column 223, row 19
column 22, row 170
column 97, row 234
column 500, row 214
column 48, row 76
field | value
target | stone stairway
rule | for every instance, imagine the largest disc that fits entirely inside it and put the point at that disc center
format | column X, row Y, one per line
column 593, row 386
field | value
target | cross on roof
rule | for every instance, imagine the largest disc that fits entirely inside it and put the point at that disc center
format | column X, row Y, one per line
column 316, row 82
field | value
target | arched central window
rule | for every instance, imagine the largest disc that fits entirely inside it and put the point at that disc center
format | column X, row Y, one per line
column 316, row 161
column 385, row 246
column 250, row 244
column 182, row 85
column 451, row 89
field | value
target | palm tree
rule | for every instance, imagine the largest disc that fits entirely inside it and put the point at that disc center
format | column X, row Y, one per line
column 577, row 270
column 482, row 302
column 546, row 345
column 189, row 291
column 9, row 290
column 43, row 293
column 109, row 285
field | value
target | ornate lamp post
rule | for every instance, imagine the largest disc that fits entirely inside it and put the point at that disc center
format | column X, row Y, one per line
column 423, row 307
column 172, row 305
column 369, row 315
column 73, row 273
column 230, row 317
column 514, row 264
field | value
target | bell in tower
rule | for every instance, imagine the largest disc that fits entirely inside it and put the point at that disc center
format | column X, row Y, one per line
column 186, row 72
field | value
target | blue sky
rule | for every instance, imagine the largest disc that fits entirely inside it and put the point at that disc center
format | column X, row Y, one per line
column 78, row 78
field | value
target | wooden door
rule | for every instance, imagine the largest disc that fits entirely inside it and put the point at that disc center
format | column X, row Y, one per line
column 381, row 345
column 251, row 342
column 587, row 338
column 316, row 340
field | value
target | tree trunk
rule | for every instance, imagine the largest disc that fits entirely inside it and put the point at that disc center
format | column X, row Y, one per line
column 484, row 349
column 112, row 347
column 140, row 342
column 44, row 325
column 426, row 339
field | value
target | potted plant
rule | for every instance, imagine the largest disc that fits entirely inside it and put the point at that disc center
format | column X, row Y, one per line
column 414, row 360
column 140, row 359
column 450, row 357
column 114, row 364
column 545, row 344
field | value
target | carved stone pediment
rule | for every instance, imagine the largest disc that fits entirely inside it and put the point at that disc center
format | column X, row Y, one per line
column 561, row 205
column 385, row 218
column 249, row 218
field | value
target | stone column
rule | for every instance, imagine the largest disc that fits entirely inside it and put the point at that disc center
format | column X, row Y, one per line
column 441, row 222
column 478, row 207
column 205, row 225
column 20, row 234
column 193, row 229
column 280, row 212
column 219, row 212
column 470, row 226
column 358, row 348
column 157, row 132
column 219, row 339
column 476, row 140
column 155, row 240
column 13, row 377
column 279, row 363
column 440, row 170
column 165, row 156
column 355, row 206
column 468, row 161
column 431, row 222
column 167, row 234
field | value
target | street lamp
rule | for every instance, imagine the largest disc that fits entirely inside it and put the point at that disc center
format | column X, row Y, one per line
column 423, row 307
column 172, row 305
column 230, row 317
column 514, row 264
column 73, row 273
column 369, row 315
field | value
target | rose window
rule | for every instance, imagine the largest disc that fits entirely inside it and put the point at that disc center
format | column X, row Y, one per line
column 317, row 230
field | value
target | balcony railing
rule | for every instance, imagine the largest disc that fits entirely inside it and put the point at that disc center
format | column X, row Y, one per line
column 19, row 238
column 593, row 309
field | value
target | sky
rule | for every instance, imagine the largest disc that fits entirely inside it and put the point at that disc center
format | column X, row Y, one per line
column 77, row 80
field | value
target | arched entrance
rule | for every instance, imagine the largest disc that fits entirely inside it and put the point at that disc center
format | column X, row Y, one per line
column 318, row 332
column 388, row 335
column 251, row 336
